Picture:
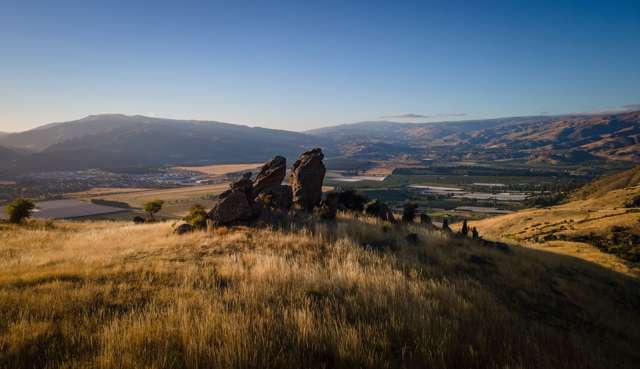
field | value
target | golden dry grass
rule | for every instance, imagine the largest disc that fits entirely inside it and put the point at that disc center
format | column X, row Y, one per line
column 353, row 294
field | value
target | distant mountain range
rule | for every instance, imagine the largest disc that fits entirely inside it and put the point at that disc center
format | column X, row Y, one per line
column 114, row 140
column 552, row 139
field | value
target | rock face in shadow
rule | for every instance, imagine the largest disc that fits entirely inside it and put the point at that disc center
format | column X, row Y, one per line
column 271, row 175
column 277, row 197
column 268, row 187
column 306, row 179
column 236, row 204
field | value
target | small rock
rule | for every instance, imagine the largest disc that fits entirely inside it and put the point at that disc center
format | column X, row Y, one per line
column 183, row 228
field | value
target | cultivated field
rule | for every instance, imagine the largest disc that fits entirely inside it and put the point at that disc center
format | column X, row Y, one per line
column 351, row 295
column 177, row 200
column 221, row 169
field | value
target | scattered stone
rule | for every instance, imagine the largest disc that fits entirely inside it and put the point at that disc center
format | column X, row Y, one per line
column 138, row 220
column 464, row 231
column 409, row 212
column 445, row 225
column 379, row 209
column 306, row 179
column 270, row 176
column 183, row 228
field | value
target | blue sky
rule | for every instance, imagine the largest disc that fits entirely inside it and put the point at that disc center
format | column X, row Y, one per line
column 301, row 65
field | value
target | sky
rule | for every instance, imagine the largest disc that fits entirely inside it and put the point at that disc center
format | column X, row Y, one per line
column 300, row 65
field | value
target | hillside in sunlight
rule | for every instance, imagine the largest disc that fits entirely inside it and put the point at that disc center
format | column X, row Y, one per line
column 357, row 293
column 600, row 222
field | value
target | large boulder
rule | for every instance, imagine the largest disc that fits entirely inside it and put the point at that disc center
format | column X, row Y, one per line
column 306, row 179
column 270, row 176
column 379, row 209
column 234, row 205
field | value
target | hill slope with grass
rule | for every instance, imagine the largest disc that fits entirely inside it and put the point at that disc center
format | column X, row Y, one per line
column 603, row 216
column 355, row 293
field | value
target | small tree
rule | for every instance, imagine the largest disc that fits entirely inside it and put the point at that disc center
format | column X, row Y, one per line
column 20, row 209
column 152, row 207
column 197, row 217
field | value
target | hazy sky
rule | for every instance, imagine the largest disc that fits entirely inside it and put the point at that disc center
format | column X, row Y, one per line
column 302, row 64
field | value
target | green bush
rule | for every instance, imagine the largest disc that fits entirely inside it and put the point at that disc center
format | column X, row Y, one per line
column 197, row 217
column 20, row 209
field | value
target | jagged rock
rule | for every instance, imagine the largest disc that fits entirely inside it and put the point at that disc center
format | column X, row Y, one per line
column 378, row 209
column 278, row 197
column 183, row 228
column 329, row 207
column 138, row 220
column 306, row 179
column 270, row 176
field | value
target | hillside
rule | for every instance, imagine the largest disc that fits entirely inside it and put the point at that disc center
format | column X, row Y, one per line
column 552, row 139
column 601, row 187
column 112, row 140
column 603, row 216
column 355, row 294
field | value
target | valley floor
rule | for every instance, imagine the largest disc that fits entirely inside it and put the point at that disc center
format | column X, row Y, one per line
column 352, row 294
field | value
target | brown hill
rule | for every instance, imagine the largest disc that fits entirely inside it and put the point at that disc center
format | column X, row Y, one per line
column 601, row 223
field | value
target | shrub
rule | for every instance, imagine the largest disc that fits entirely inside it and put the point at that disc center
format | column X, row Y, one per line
column 152, row 207
column 19, row 209
column 351, row 200
column 409, row 212
column 197, row 217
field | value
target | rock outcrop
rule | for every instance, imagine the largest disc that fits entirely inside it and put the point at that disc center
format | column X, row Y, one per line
column 306, row 179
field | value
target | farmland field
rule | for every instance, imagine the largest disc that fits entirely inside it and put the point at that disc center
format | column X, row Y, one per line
column 221, row 169
column 177, row 200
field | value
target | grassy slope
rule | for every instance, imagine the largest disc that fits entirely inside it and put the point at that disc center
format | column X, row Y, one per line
column 115, row 295
column 592, row 213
